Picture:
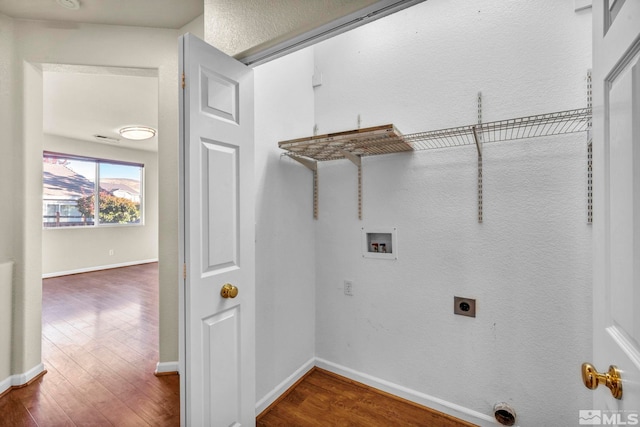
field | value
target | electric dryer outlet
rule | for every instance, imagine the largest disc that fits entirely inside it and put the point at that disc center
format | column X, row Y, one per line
column 464, row 306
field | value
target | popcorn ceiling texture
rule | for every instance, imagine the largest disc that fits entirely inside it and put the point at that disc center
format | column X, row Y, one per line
column 237, row 27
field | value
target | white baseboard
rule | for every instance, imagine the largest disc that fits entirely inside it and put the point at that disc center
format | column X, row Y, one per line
column 5, row 385
column 97, row 268
column 284, row 386
column 432, row 402
column 18, row 380
column 167, row 367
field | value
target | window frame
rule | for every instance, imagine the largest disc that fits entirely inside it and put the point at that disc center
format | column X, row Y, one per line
column 96, row 190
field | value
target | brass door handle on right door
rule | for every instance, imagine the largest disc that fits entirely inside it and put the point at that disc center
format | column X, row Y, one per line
column 612, row 379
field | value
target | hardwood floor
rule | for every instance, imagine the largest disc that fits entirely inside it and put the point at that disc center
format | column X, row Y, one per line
column 99, row 347
column 324, row 399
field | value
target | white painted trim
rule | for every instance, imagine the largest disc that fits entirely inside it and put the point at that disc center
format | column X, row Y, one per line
column 163, row 367
column 98, row 268
column 5, row 385
column 22, row 379
column 377, row 10
column 284, row 386
column 411, row 395
column 18, row 380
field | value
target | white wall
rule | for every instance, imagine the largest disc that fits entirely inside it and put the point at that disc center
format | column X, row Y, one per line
column 23, row 45
column 6, row 324
column 285, row 254
column 7, row 70
column 35, row 43
column 195, row 27
column 528, row 265
column 73, row 249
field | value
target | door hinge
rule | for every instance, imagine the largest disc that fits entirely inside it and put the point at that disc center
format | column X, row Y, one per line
column 183, row 80
column 184, row 271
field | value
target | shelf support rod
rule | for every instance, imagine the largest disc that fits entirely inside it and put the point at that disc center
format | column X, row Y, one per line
column 589, row 154
column 478, row 139
column 356, row 160
column 313, row 166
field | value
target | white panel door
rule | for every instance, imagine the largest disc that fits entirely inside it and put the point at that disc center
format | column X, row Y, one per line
column 616, row 166
column 217, row 208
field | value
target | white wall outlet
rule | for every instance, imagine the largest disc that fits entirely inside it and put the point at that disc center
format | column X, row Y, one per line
column 348, row 287
column 110, row 251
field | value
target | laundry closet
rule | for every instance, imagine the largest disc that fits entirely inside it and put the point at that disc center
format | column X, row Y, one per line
column 510, row 232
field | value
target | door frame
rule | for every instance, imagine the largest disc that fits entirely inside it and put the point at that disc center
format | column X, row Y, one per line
column 611, row 63
column 30, row 80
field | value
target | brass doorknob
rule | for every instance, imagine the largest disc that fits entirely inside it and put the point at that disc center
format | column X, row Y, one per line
column 592, row 379
column 228, row 291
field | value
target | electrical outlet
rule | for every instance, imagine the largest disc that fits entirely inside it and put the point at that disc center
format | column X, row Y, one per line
column 464, row 306
column 348, row 287
column 110, row 251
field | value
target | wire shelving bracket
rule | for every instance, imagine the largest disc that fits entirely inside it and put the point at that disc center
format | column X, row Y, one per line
column 386, row 139
column 478, row 139
column 589, row 155
column 312, row 165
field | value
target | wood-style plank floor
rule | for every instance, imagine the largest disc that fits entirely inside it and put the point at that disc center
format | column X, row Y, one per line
column 324, row 399
column 100, row 348
column 100, row 341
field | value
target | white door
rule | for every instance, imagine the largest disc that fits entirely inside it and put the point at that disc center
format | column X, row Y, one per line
column 217, row 208
column 616, row 175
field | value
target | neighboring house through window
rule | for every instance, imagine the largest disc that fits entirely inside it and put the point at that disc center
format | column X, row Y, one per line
column 82, row 191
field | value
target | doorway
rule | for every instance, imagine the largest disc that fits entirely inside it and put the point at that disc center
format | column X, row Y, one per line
column 100, row 192
column 83, row 108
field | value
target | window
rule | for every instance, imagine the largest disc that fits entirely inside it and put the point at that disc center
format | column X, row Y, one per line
column 86, row 192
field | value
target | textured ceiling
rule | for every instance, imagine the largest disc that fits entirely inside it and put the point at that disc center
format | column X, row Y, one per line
column 242, row 26
column 80, row 102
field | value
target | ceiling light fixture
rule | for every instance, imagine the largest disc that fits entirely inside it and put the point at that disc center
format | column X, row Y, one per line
column 137, row 133
column 69, row 4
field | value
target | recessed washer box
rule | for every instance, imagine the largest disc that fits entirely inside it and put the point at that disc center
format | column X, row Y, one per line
column 380, row 242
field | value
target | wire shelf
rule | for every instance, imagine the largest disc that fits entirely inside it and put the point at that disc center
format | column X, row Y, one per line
column 504, row 130
column 384, row 139
column 387, row 139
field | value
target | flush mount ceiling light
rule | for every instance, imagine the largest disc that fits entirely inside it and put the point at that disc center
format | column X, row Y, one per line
column 69, row 4
column 137, row 133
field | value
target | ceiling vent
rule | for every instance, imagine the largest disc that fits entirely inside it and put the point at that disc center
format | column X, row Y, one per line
column 102, row 138
column 69, row 4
